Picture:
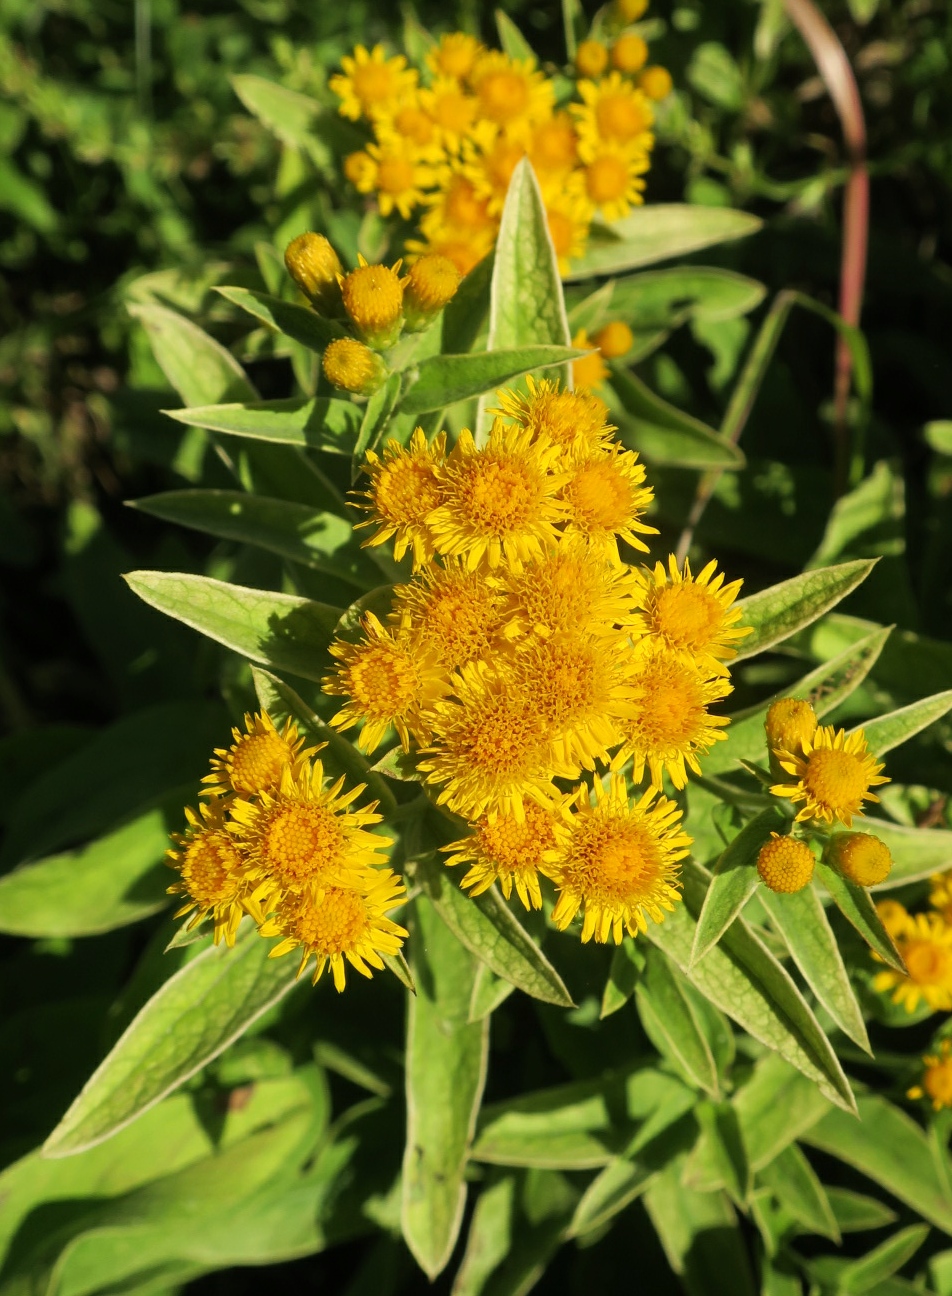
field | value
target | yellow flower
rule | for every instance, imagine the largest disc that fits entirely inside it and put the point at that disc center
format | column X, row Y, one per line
column 388, row 679
column 790, row 723
column 352, row 366
column 575, row 421
column 591, row 58
column 507, row 850
column 332, row 923
column 860, row 857
column 489, row 159
column 568, row 215
column 370, row 81
column 656, row 83
column 614, row 339
column 785, row 864
column 397, row 170
column 690, row 612
column 925, row 945
column 936, row 1078
column 455, row 56
column 499, row 502
column 373, row 299
column 453, row 611
column 451, row 110
column 629, row 11
column 571, row 590
column 618, row 860
column 588, row 371
column 613, row 109
column 605, row 498
column 670, row 726
column 316, row 269
column 431, row 282
column 612, row 173
column 305, row 835
column 940, row 894
column 490, row 746
column 256, row 758
column 404, row 490
column 893, row 916
column 834, row 775
column 457, row 208
column 409, row 120
column 214, row 872
column 629, row 53
column 554, row 147
column 509, row 90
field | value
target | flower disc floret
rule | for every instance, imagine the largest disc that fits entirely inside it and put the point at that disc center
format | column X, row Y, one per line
column 605, row 498
column 405, row 488
column 785, row 864
column 507, row 850
column 693, row 613
column 572, row 589
column 859, row 857
column 431, row 282
column 352, row 366
column 925, row 945
column 256, row 759
column 616, row 860
column 499, row 503
column 834, row 775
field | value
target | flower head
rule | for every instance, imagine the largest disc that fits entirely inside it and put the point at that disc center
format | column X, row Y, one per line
column 893, row 916
column 316, row 269
column 405, row 488
column 613, row 109
column 373, row 299
column 352, row 366
column 575, row 421
column 370, row 81
column 397, row 168
column 614, row 339
column 785, row 864
column 455, row 55
column 256, row 759
column 629, row 53
column 613, row 176
column 454, row 612
column 572, row 589
column 693, row 613
column 860, row 858
column 834, row 775
column 568, row 214
column 616, row 859
column 936, row 1077
column 213, row 871
column 790, row 723
column 591, row 58
column 605, row 498
column 451, row 110
column 554, row 147
column 925, row 944
column 656, row 83
column 510, row 91
column 507, row 850
column 431, row 282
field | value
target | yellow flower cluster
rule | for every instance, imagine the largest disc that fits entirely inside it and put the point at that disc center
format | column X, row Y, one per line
column 925, row 942
column 274, row 841
column 524, row 651
column 936, row 1077
column 446, row 138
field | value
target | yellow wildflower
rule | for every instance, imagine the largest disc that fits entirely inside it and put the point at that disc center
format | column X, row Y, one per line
column 370, row 81
column 553, row 150
column 834, row 775
column 605, row 497
column 613, row 109
column 690, row 612
column 859, row 857
column 591, row 58
column 568, row 215
column 451, row 610
column 575, row 421
column 936, row 1077
column 404, row 490
column 614, row 339
column 507, row 850
column 455, row 56
column 510, row 91
column 316, row 269
column 256, row 758
column 373, row 299
column 431, row 282
column 629, row 11
column 785, row 864
column 629, row 53
column 656, row 83
column 790, row 723
column 940, row 894
column 572, row 589
column 451, row 110
column 925, row 946
column 214, row 872
column 588, row 371
column 613, row 176
column 352, row 366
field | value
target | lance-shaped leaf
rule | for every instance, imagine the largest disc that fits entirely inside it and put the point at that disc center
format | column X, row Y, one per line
column 668, row 1017
column 198, row 367
column 490, row 1236
column 511, row 38
column 892, row 1150
column 287, row 113
column 487, row 927
column 298, row 322
column 658, row 232
column 916, row 852
column 742, row 978
column 277, row 630
column 780, row 611
column 795, row 1184
column 700, row 1236
column 826, row 687
column 196, row 1014
column 627, row 965
column 663, row 433
column 319, row 423
column 802, row 922
column 867, row 1273
column 662, row 299
column 896, row 727
column 443, row 380
column 734, row 881
column 858, row 909
column 319, row 540
column 445, row 1074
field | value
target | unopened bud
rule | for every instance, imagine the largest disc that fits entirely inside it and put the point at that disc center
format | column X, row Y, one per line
column 785, row 864
column 859, row 857
column 790, row 723
column 431, row 282
column 316, row 269
column 354, row 367
column 373, row 298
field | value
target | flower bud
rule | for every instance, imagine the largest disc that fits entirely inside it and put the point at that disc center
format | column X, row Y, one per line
column 630, row 11
column 431, row 282
column 859, row 857
column 614, row 339
column 785, row 864
column 316, row 269
column 591, row 58
column 354, row 367
column 373, row 298
column 629, row 53
column 656, row 83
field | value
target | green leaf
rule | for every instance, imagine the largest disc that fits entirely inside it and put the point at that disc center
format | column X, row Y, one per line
column 780, row 611
column 487, row 927
column 446, row 1071
column 917, row 852
column 659, row 232
column 116, row 880
column 720, row 1128
column 489, row 991
column 854, row 1212
column 734, row 881
column 826, row 687
column 794, row 1182
column 714, row 74
column 663, row 299
column 443, row 380
column 199, row 1011
column 277, row 630
column 802, row 922
column 198, row 367
column 319, row 540
column 511, row 38
column 888, row 1258
column 288, row 115
column 858, row 909
column 938, row 435
column 376, row 416
column 670, row 1023
column 490, row 1236
column 744, row 980
column 892, row 1150
column 627, row 965
column 661, row 432
column 896, row 727
column 700, row 1237
column 319, row 423
column 301, row 323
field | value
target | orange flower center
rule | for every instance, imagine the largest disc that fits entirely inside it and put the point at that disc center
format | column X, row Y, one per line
column 414, row 124
column 620, row 117
column 454, row 111
column 606, row 178
column 562, row 231
column 373, row 83
column 686, row 616
column 503, row 95
column 555, row 145
column 333, row 925
column 463, row 207
column 406, row 491
column 395, row 175
column 835, row 778
column 301, row 841
column 926, row 962
column 501, row 495
column 671, row 706
column 383, row 681
column 600, row 496
column 211, row 864
column 513, row 845
column 258, row 762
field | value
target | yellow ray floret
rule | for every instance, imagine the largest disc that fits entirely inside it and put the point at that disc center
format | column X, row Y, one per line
column 334, row 924
column 409, row 119
column 834, row 775
column 691, row 612
column 936, row 1077
column 454, row 612
column 613, row 109
column 507, row 850
column 605, row 499
column 306, row 834
column 925, row 945
column 576, row 421
column 669, row 725
column 489, row 158
column 616, row 861
column 568, row 214
column 572, row 589
column 256, row 758
column 388, row 678
column 405, row 488
column 590, row 370
column 499, row 503
column 370, row 81
column 510, row 91
column 613, row 176
column 397, row 169
column 490, row 747
column 214, row 872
